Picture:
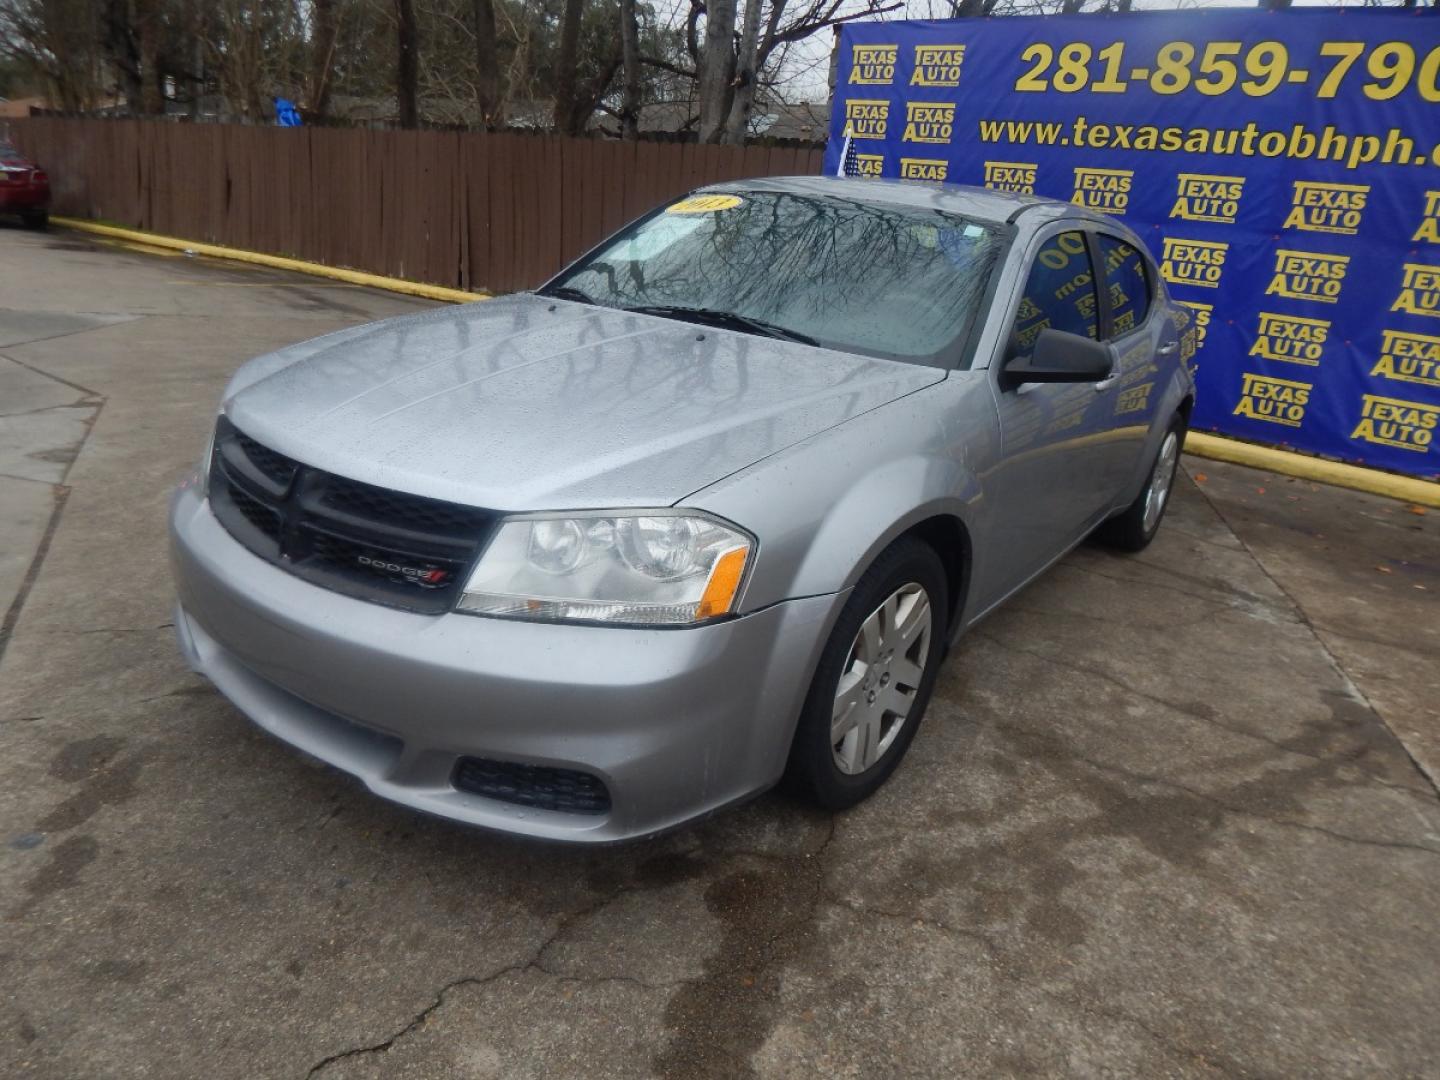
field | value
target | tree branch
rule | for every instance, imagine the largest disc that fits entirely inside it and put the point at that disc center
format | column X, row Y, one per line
column 665, row 65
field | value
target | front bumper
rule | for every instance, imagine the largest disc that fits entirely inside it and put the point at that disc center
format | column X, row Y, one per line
column 676, row 723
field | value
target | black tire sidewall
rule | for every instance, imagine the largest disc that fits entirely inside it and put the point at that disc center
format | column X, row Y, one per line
column 1127, row 531
column 812, row 762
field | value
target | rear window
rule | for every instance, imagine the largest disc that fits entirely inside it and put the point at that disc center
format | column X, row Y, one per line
column 1127, row 283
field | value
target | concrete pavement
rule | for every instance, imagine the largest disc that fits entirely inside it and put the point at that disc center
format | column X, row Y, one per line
column 1157, row 823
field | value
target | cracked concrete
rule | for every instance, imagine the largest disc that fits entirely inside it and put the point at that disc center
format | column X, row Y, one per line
column 1171, row 815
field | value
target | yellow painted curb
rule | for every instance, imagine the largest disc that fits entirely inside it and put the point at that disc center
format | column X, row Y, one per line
column 276, row 262
column 1405, row 488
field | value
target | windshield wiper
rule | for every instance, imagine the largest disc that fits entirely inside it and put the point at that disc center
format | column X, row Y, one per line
column 729, row 319
column 569, row 292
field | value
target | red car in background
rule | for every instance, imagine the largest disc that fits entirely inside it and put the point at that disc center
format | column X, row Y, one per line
column 24, row 188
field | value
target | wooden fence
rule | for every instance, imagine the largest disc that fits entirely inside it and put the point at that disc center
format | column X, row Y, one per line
column 469, row 210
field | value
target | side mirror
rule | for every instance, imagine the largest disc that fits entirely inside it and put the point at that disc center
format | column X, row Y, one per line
column 1059, row 357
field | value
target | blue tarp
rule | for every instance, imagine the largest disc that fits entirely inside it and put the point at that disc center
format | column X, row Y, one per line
column 286, row 114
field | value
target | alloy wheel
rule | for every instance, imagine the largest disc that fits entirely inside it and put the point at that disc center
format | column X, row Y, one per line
column 881, row 679
column 1161, row 480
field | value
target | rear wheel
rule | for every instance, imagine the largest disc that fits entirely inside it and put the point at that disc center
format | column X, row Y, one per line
column 1137, row 525
column 35, row 219
column 874, row 678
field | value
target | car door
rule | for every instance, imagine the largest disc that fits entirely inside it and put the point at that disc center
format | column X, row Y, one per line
column 1054, row 477
column 1134, row 323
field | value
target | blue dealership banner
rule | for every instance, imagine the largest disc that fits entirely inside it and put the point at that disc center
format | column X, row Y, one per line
column 1284, row 168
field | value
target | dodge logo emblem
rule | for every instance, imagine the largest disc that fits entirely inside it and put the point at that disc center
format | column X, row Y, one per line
column 426, row 576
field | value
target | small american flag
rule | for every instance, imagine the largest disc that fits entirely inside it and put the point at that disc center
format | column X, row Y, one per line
column 849, row 156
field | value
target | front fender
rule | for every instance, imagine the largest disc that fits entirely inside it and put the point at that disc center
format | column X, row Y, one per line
column 884, row 505
column 824, row 509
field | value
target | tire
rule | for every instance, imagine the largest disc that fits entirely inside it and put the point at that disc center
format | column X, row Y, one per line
column 35, row 219
column 837, row 774
column 1134, row 527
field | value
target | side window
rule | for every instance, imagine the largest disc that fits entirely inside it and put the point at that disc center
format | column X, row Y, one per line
column 1060, row 292
column 1127, row 284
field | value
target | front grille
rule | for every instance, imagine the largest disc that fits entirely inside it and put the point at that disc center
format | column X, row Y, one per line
column 385, row 546
column 396, row 508
column 261, row 517
column 539, row 786
column 277, row 467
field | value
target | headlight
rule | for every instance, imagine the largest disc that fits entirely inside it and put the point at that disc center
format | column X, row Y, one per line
column 665, row 568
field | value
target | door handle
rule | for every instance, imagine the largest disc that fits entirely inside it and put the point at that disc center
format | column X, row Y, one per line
column 1166, row 350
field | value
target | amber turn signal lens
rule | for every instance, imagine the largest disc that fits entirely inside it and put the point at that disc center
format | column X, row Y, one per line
column 724, row 584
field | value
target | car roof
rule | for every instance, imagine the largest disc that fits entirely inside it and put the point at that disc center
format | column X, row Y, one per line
column 975, row 203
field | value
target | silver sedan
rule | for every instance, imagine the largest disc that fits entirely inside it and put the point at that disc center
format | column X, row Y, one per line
column 703, row 512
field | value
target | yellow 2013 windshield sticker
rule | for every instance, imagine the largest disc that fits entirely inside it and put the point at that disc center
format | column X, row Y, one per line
column 704, row 204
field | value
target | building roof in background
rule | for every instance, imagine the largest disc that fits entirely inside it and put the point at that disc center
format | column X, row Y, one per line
column 19, row 108
column 804, row 120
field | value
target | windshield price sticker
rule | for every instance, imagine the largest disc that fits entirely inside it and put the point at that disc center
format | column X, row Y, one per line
column 704, row 204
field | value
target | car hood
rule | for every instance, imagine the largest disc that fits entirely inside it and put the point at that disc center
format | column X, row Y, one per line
column 525, row 403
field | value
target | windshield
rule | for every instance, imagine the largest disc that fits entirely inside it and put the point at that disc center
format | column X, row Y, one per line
column 892, row 281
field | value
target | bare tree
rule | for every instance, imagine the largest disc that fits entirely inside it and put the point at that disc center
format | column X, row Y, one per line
column 589, row 54
column 747, row 76
column 487, row 63
column 717, row 69
column 123, row 48
column 715, row 62
column 630, row 60
column 253, row 50
column 324, row 34
column 407, row 63
column 58, row 45
column 765, row 36
column 567, row 64
column 149, row 29
column 235, row 46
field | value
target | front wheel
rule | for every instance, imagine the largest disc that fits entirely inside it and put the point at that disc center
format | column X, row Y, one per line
column 874, row 678
column 1136, row 526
